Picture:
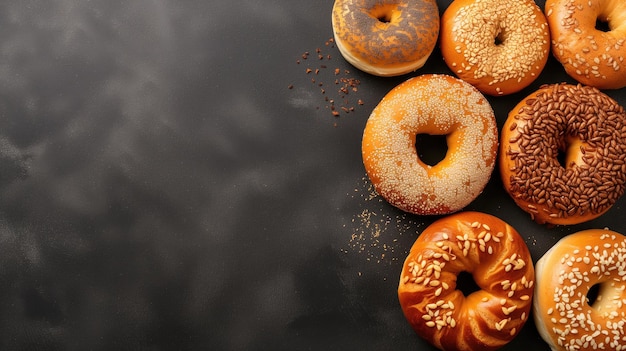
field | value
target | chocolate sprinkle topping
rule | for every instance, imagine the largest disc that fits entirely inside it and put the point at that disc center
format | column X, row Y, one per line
column 548, row 124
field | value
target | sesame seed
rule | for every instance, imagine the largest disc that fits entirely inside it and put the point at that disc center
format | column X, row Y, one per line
column 508, row 310
column 500, row 325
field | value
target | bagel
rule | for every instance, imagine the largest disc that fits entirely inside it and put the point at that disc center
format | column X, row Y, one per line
column 436, row 105
column 585, row 125
column 564, row 316
column 500, row 263
column 386, row 38
column 591, row 56
column 500, row 47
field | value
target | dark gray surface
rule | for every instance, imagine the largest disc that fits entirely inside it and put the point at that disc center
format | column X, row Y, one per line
column 163, row 188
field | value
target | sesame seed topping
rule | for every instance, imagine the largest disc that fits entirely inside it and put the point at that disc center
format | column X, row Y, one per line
column 497, row 41
column 390, row 155
column 568, row 33
column 441, row 305
column 573, row 320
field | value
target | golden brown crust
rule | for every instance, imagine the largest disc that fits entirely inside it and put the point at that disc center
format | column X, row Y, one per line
column 586, row 125
column 438, row 105
column 499, row 260
column 386, row 38
column 592, row 57
column 564, row 276
column 499, row 53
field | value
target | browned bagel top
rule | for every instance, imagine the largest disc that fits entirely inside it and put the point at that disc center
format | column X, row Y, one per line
column 387, row 32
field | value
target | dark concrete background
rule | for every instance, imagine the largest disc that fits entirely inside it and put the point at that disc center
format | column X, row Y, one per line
column 163, row 188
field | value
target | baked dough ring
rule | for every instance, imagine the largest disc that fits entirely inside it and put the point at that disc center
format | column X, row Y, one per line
column 498, row 259
column 386, row 38
column 565, row 274
column 498, row 46
column 436, row 105
column 591, row 56
column 584, row 124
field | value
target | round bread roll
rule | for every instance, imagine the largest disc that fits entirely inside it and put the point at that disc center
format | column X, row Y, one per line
column 436, row 105
column 500, row 47
column 588, row 129
column 565, row 316
column 386, row 38
column 500, row 263
column 591, row 56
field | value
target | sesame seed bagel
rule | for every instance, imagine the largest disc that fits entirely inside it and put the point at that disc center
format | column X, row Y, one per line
column 436, row 105
column 579, row 122
column 500, row 47
column 589, row 55
column 564, row 315
column 386, row 38
column 500, row 263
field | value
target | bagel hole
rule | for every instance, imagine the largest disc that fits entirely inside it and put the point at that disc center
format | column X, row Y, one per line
column 560, row 156
column 592, row 294
column 431, row 149
column 466, row 284
column 385, row 17
column 602, row 25
column 383, row 13
column 499, row 39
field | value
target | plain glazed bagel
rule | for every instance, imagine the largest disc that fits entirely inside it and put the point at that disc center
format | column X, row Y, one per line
column 589, row 55
column 584, row 125
column 500, row 47
column 564, row 315
column 436, row 105
column 386, row 38
column 500, row 263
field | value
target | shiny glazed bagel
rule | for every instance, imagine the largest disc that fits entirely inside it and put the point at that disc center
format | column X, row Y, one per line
column 589, row 55
column 436, row 105
column 564, row 315
column 498, row 46
column 579, row 122
column 500, row 263
column 386, row 38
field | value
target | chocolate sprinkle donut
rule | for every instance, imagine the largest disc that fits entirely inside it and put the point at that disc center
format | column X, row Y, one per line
column 589, row 129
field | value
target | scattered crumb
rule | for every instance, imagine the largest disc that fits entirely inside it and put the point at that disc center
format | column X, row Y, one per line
column 376, row 233
column 342, row 101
